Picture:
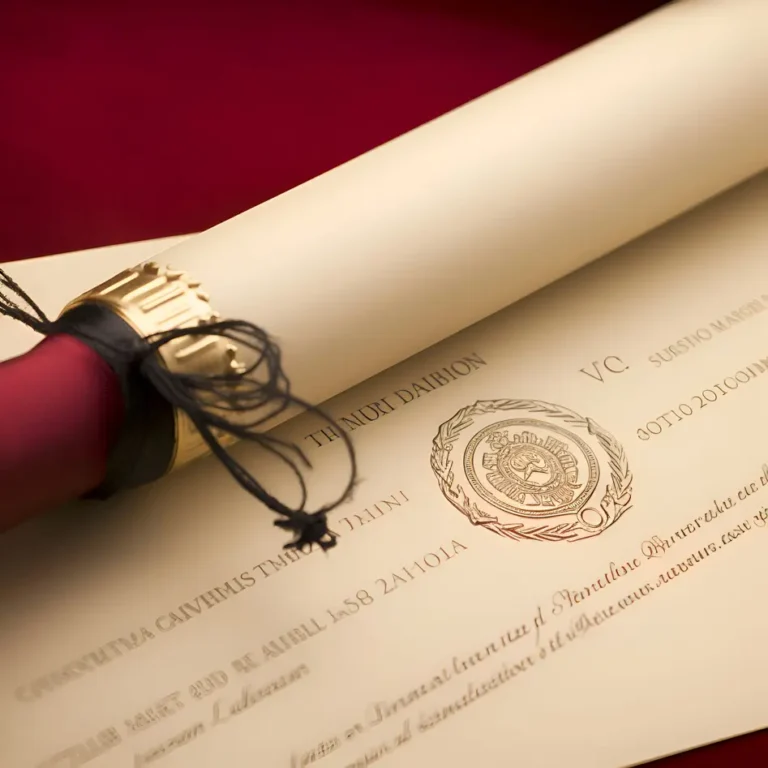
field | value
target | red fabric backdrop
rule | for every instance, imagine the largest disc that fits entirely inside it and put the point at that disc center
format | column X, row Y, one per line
column 129, row 121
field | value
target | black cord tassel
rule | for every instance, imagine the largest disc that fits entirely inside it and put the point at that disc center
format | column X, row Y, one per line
column 255, row 393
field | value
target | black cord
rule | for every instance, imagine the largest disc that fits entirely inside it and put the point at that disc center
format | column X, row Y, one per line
column 256, row 393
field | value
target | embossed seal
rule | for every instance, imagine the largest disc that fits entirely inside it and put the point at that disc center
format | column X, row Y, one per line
column 527, row 469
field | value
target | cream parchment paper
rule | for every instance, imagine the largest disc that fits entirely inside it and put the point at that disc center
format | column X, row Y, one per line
column 454, row 623
column 168, row 628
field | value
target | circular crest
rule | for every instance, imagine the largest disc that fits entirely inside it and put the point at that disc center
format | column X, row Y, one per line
column 527, row 469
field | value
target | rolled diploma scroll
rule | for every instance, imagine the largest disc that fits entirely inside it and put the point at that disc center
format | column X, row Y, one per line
column 382, row 257
column 400, row 248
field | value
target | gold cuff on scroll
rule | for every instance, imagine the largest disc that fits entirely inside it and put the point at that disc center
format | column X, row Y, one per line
column 152, row 299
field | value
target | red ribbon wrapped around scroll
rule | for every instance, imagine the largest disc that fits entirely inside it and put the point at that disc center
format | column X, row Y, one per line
column 61, row 411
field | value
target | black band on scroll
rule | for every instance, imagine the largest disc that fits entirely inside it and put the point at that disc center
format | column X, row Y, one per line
column 256, row 394
column 145, row 444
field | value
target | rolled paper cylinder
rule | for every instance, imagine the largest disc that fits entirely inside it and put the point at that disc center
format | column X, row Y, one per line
column 400, row 248
column 387, row 255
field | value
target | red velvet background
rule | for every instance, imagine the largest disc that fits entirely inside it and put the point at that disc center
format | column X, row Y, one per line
column 129, row 121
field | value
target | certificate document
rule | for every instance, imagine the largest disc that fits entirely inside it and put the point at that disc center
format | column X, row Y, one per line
column 555, row 554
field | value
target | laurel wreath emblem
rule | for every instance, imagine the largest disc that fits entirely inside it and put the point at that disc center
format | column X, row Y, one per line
column 616, row 499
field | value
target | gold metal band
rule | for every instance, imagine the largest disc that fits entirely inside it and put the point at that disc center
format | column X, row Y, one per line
column 152, row 299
